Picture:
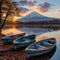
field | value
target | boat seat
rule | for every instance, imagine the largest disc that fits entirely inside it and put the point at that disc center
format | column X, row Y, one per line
column 26, row 41
column 46, row 44
column 51, row 41
column 40, row 47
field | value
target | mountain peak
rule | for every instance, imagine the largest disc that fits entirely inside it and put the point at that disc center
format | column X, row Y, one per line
column 33, row 14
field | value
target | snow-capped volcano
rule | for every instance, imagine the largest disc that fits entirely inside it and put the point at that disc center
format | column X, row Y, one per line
column 34, row 16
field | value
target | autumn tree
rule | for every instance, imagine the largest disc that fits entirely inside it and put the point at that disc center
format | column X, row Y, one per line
column 7, row 11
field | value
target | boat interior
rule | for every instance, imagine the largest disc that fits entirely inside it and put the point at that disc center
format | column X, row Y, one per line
column 44, row 44
column 27, row 38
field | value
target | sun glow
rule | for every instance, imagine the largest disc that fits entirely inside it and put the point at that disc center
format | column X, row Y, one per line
column 11, row 31
column 15, row 18
column 4, row 14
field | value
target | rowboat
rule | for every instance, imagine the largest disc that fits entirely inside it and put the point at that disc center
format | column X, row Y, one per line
column 9, row 38
column 41, row 47
column 23, row 41
column 16, row 35
column 46, row 56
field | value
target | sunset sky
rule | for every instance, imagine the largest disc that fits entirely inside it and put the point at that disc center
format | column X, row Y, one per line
column 49, row 8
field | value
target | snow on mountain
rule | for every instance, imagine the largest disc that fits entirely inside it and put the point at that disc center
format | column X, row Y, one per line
column 34, row 16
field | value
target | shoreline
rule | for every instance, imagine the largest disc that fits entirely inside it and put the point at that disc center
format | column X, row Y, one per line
column 34, row 26
column 21, row 54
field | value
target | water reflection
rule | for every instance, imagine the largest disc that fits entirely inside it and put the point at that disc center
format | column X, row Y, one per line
column 55, row 34
column 46, row 56
column 41, row 33
column 36, row 30
column 30, row 31
column 11, row 31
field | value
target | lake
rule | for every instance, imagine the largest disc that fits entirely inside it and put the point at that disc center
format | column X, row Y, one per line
column 41, row 33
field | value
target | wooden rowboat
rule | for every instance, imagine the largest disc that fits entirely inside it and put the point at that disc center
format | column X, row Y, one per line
column 24, row 41
column 41, row 47
column 9, row 39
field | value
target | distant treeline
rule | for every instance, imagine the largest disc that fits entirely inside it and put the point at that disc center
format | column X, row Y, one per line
column 51, row 22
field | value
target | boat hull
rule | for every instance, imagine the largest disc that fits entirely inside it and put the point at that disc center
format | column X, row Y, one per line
column 24, row 41
column 37, row 53
column 20, row 45
column 40, row 47
column 10, row 38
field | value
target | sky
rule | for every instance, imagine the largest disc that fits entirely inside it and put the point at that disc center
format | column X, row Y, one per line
column 50, row 8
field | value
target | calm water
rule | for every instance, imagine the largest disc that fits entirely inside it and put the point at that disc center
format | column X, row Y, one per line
column 41, row 33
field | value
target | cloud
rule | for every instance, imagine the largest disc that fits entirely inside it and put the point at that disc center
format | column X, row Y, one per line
column 23, row 2
column 41, row 8
column 45, row 6
column 22, row 9
column 27, row 2
column 58, row 10
column 32, row 4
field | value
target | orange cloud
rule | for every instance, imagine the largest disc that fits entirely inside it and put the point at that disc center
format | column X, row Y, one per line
column 58, row 10
column 39, row 10
column 45, row 6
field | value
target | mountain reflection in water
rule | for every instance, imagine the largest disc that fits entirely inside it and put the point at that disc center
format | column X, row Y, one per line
column 27, row 30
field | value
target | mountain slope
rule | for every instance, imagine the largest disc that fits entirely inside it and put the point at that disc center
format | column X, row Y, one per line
column 34, row 16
